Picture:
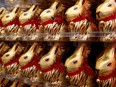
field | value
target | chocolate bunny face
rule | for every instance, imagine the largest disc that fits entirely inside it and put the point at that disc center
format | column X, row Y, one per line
column 106, row 9
column 8, row 56
column 28, row 56
column 49, row 59
column 28, row 15
column 77, row 10
column 75, row 61
column 11, row 16
column 107, row 62
column 49, row 13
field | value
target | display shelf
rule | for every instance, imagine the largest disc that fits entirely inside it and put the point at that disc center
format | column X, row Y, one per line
column 57, row 44
column 94, row 37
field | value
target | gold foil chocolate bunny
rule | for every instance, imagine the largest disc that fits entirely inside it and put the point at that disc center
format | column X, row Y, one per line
column 11, row 23
column 52, row 22
column 31, row 24
column 106, row 15
column 81, row 24
column 9, row 63
column 52, row 67
column 10, row 60
column 29, row 64
column 79, row 74
column 106, row 67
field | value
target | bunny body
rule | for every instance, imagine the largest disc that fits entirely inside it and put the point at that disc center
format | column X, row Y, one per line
column 51, row 67
column 106, row 68
column 78, row 72
column 30, row 22
column 80, row 22
column 11, row 23
column 53, row 21
column 106, row 15
column 29, row 63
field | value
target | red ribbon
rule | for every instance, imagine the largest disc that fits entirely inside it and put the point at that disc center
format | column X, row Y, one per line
column 14, row 60
column 1, row 23
column 76, row 72
column 84, row 68
column 82, row 18
column 59, row 20
column 113, row 74
column 33, row 22
column 34, row 62
column 109, row 18
column 16, row 22
column 57, row 65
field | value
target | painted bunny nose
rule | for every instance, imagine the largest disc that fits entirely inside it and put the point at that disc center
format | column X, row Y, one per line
column 98, row 14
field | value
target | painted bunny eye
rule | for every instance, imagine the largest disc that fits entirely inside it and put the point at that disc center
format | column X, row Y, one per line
column 47, row 59
column 7, row 55
column 109, row 5
column 75, row 8
column 75, row 62
column 25, row 57
column 109, row 64
column 7, row 16
column 48, row 11
column 25, row 14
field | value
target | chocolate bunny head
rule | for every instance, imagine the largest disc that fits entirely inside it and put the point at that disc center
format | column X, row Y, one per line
column 106, row 9
column 28, row 15
column 11, row 15
column 8, row 56
column 106, row 63
column 50, row 58
column 76, row 60
column 80, row 8
column 48, row 14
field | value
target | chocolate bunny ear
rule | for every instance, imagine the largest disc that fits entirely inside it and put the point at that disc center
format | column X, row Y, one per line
column 55, row 4
column 33, row 8
column 1, row 11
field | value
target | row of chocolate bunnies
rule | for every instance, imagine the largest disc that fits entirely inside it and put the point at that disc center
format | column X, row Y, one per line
column 31, row 64
column 50, row 24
